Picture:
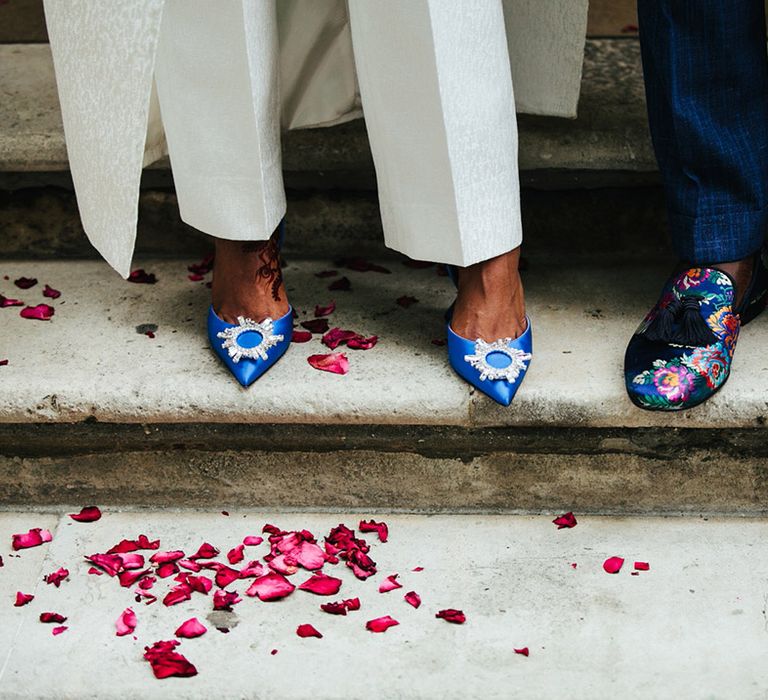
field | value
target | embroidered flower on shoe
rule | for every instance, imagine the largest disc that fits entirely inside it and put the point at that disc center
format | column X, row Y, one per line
column 675, row 382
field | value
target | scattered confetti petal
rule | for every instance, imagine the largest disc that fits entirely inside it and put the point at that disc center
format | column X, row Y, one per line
column 126, row 623
column 452, row 615
column 567, row 520
column 191, row 628
column 51, row 293
column 372, row 526
column 36, row 536
column 381, row 624
column 25, row 282
column 413, row 598
column 141, row 277
column 22, row 599
column 89, row 514
column 166, row 662
column 334, row 362
column 389, row 584
column 612, row 565
column 41, row 312
column 320, row 584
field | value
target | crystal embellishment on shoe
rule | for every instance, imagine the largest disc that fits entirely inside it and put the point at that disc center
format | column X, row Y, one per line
column 509, row 373
column 265, row 329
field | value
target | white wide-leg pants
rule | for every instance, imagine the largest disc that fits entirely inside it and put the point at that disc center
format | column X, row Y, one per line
column 437, row 94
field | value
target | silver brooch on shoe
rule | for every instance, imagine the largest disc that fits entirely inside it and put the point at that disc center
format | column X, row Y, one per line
column 510, row 373
column 245, row 325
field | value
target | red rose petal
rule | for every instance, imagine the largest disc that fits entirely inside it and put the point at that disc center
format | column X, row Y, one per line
column 325, row 310
column 308, row 631
column 224, row 600
column 452, row 615
column 146, row 583
column 166, row 662
column 316, row 325
column 89, row 514
column 200, row 584
column 372, row 526
column 58, row 630
column 126, row 623
column 35, row 537
column 165, row 557
column 418, row 568
column 254, row 569
column 334, row 362
column 326, row 273
column 226, row 575
column 203, row 267
column 189, row 565
column 3, row 363
column 25, row 282
column 195, row 277
column 141, row 277
column 41, row 312
column 320, row 584
column 5, row 301
column 361, row 343
column 56, row 577
column 131, row 560
column 191, row 628
column 642, row 566
column 406, row 301
column 567, row 520
column 389, row 584
column 271, row 586
column 51, row 293
column 340, row 285
column 166, row 570
column 252, row 540
column 413, row 598
column 141, row 542
column 523, row 651
column 334, row 608
column 612, row 565
column 301, row 337
column 206, row 551
column 52, row 617
column 338, row 336
column 235, row 555
column 22, row 599
column 352, row 603
column 381, row 624
column 177, row 594
column 95, row 572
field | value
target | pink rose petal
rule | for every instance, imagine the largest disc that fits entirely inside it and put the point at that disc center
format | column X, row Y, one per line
column 612, row 565
column 338, row 336
column 206, row 551
column 381, row 624
column 452, row 615
column 271, row 586
column 301, row 337
column 166, row 662
column 165, row 557
column 413, row 598
column 308, row 631
column 380, row 529
column 141, row 277
column 325, row 310
column 335, row 362
column 126, row 623
column 141, row 542
column 52, row 617
column 191, row 628
column 642, row 566
column 146, row 583
column 189, row 565
column 128, row 578
column 35, row 537
column 253, row 570
column 89, row 514
column 22, row 599
column 235, row 555
column 389, row 584
column 224, row 600
column 252, row 540
column 567, row 520
column 166, row 570
column 352, row 603
column 58, row 630
column 361, row 343
column 5, row 301
column 56, row 577
column 523, row 651
column 25, row 282
column 51, row 293
column 226, row 575
column 41, row 312
column 177, row 594
column 320, row 584
column 334, row 608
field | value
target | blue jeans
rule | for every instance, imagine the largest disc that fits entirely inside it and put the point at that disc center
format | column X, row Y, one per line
column 706, row 82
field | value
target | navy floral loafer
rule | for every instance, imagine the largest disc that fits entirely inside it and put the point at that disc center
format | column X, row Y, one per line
column 682, row 352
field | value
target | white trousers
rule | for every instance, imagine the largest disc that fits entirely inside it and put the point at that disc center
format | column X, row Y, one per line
column 437, row 94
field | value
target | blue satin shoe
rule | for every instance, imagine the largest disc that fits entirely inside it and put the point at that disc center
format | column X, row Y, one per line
column 249, row 349
column 498, row 368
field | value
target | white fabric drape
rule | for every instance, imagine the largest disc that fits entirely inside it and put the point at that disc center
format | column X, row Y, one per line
column 450, row 197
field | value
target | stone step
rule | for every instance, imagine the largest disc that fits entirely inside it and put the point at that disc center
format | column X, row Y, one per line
column 94, row 409
column 608, row 140
column 518, row 580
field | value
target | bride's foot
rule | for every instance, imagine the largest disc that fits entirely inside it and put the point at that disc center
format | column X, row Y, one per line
column 248, row 280
column 490, row 303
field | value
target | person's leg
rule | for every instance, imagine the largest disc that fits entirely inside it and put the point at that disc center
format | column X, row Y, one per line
column 217, row 79
column 706, row 78
column 437, row 94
